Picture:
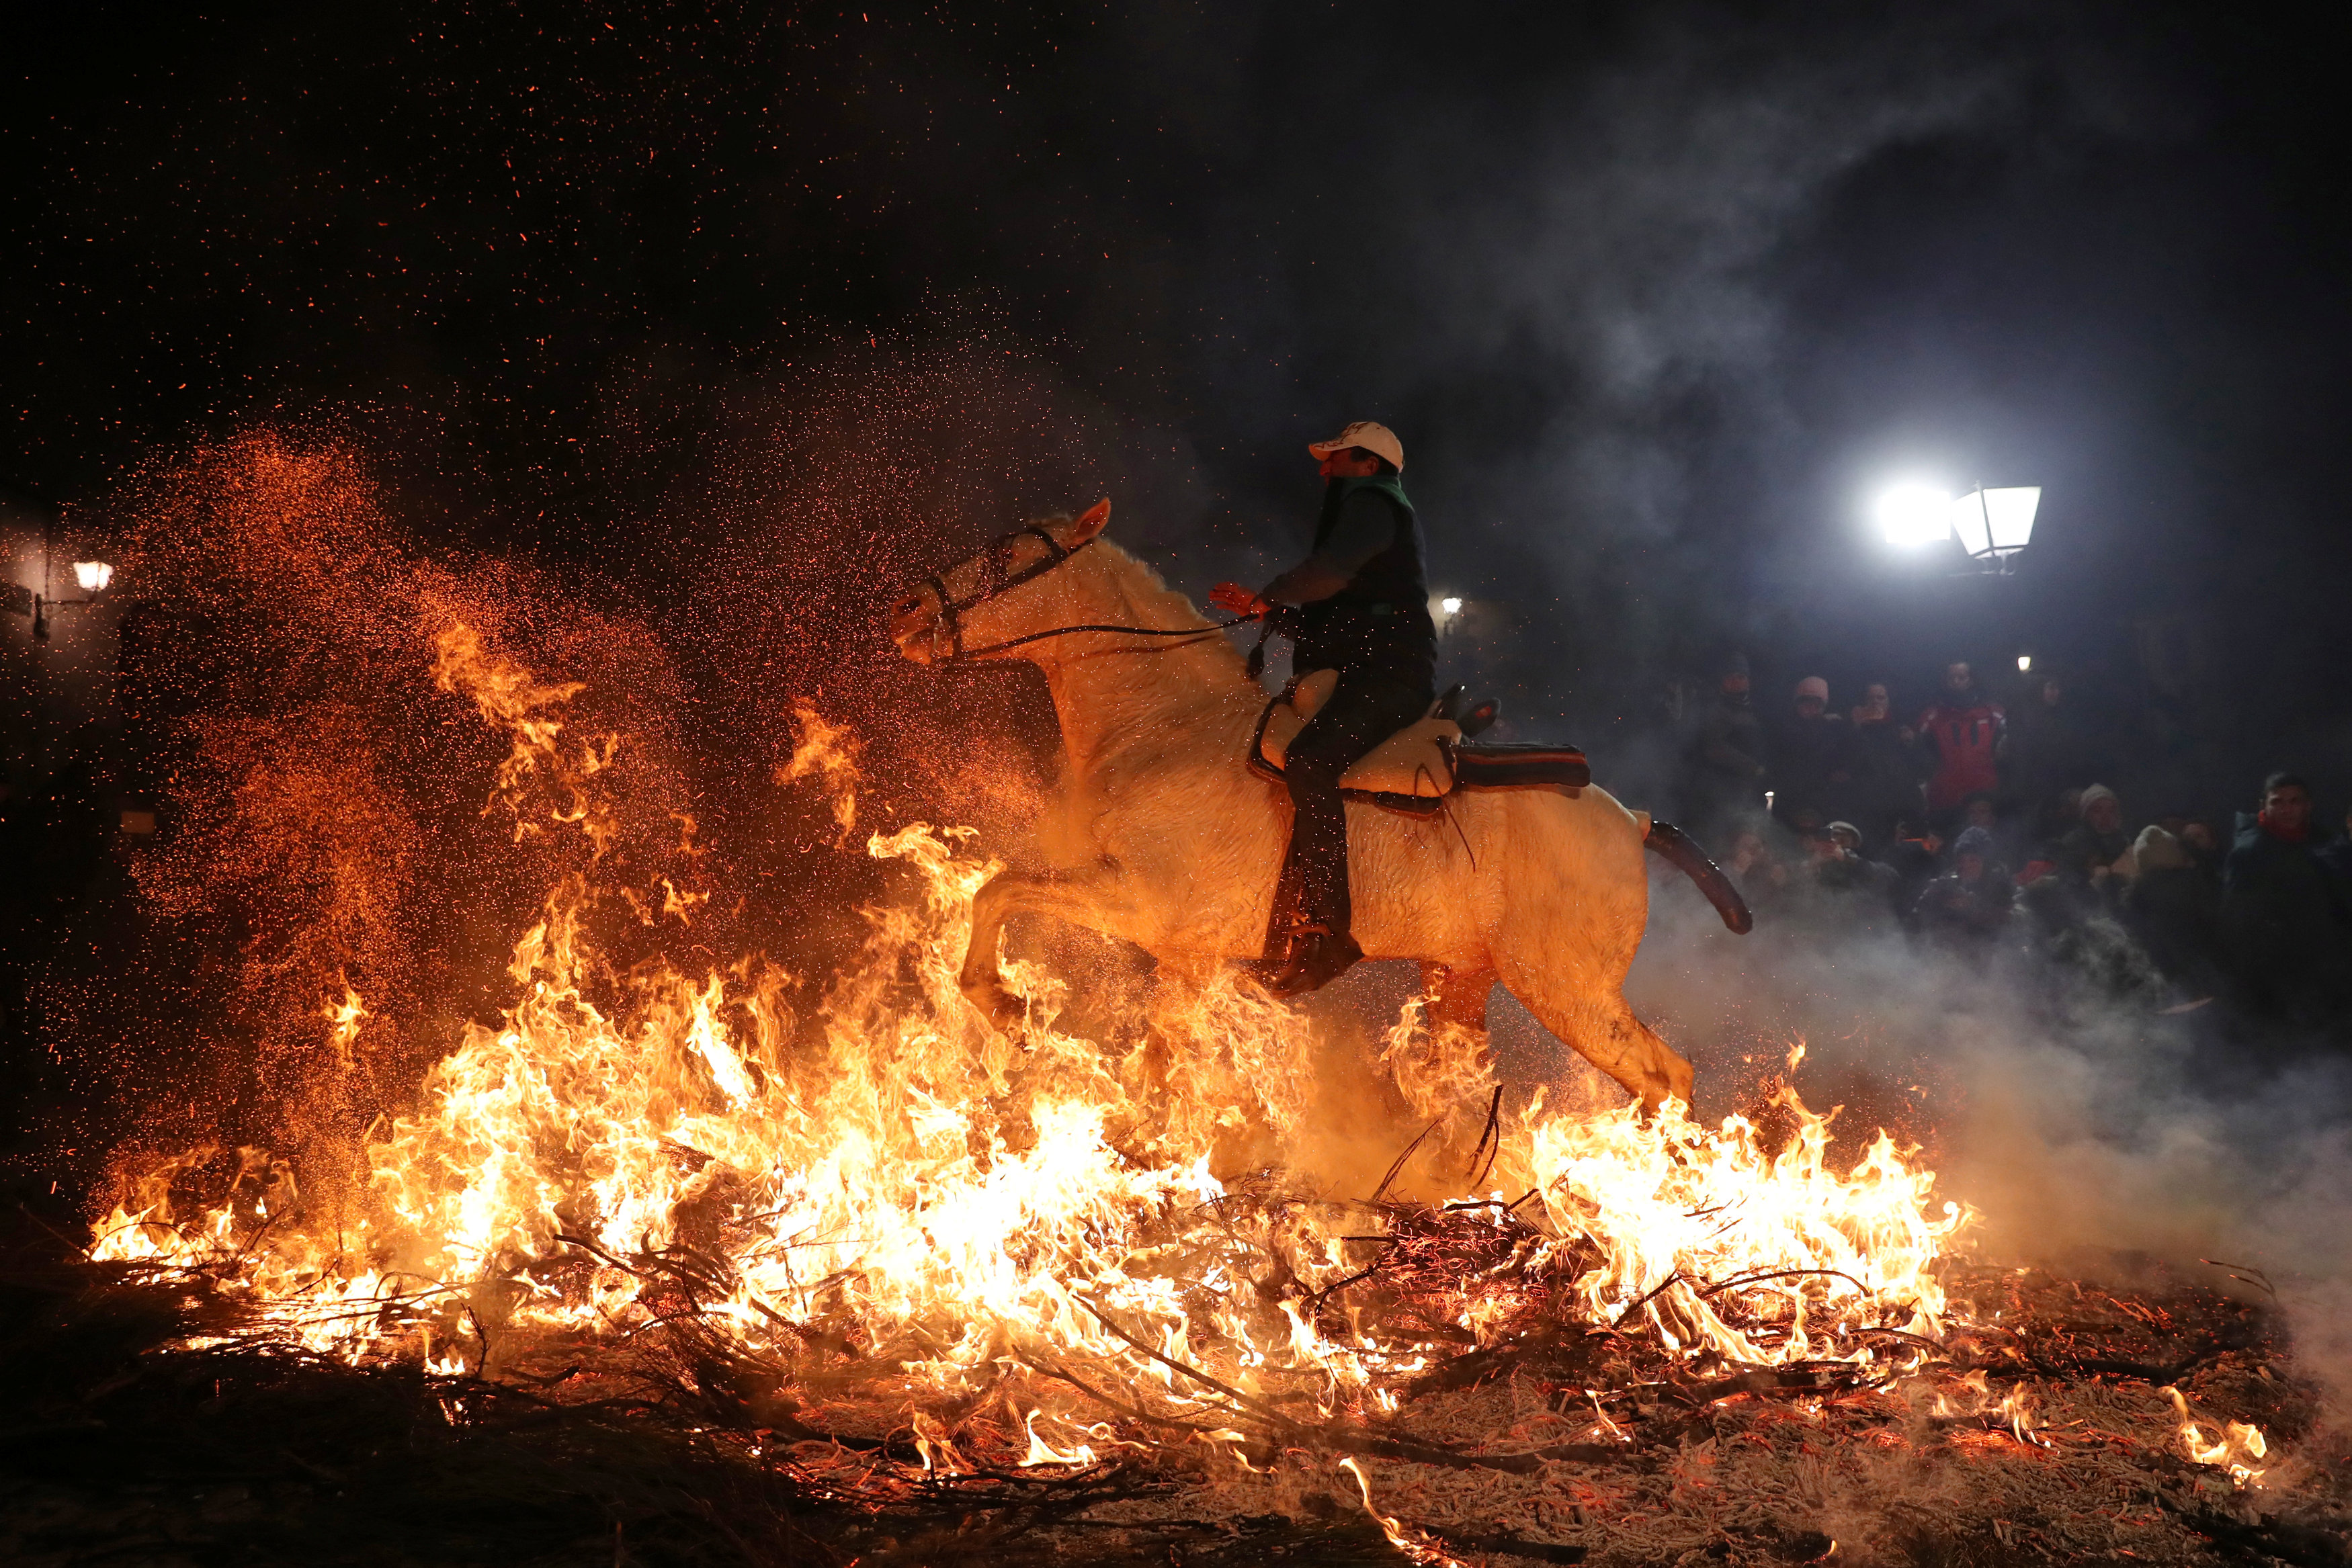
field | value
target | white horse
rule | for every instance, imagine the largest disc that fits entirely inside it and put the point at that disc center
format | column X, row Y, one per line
column 1160, row 834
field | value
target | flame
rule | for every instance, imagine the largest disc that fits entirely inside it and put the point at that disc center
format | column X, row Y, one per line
column 343, row 1020
column 1041, row 1452
column 2236, row 1447
column 1409, row 1541
column 891, row 1182
column 827, row 752
column 1689, row 1224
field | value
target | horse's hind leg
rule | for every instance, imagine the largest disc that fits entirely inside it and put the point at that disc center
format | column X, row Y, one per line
column 1596, row 1024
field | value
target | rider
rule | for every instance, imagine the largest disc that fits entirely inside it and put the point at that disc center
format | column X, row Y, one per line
column 1358, row 606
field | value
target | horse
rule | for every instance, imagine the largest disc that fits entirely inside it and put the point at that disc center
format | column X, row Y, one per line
column 1160, row 834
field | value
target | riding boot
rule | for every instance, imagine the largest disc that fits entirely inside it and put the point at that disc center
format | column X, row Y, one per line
column 1321, row 947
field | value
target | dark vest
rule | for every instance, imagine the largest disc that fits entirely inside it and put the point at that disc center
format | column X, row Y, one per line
column 1382, row 618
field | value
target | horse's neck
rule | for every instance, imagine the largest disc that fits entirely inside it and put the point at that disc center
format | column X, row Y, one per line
column 1107, row 688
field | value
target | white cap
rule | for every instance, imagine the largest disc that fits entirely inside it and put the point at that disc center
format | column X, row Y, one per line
column 1371, row 437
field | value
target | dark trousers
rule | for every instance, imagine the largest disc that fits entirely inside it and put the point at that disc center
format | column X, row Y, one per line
column 1369, row 706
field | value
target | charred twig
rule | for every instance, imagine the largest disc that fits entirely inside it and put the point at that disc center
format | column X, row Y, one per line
column 2259, row 1277
column 1099, row 1398
column 1315, row 1302
column 1401, row 1159
column 1490, row 1141
column 1761, row 1380
column 1781, row 1274
column 1255, row 1406
column 1673, row 1279
column 586, row 1244
column 1518, row 1546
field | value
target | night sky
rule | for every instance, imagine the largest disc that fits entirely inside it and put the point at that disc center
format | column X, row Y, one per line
column 1656, row 294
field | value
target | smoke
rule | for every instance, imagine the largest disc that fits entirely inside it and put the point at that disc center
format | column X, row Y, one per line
column 2094, row 1133
column 1612, row 279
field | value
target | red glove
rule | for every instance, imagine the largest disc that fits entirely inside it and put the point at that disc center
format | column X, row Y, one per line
column 1234, row 600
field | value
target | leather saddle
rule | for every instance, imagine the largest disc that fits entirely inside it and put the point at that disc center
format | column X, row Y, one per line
column 1414, row 769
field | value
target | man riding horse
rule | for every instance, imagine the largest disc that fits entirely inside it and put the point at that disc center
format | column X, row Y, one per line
column 1359, row 605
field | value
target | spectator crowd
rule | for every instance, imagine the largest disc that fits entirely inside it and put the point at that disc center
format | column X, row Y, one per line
column 1971, row 827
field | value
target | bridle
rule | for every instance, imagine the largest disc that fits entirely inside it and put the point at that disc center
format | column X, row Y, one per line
column 998, row 579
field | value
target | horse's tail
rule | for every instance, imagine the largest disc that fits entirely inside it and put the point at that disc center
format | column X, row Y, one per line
column 1681, row 851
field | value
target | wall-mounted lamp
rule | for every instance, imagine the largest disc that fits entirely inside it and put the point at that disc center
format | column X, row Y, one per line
column 2024, row 662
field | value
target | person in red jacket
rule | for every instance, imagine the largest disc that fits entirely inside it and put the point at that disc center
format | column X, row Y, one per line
column 1962, row 732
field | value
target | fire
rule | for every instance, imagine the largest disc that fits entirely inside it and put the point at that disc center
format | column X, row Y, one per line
column 2234, row 1448
column 1402, row 1536
column 892, row 1194
column 343, row 1020
column 827, row 752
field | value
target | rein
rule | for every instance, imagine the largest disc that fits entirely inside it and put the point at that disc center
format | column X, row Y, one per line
column 1000, row 582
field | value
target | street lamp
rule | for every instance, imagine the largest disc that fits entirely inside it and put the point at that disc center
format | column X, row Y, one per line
column 1991, row 525
column 1995, row 524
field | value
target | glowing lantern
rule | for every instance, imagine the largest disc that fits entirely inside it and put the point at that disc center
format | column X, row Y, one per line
column 1994, row 525
column 93, row 575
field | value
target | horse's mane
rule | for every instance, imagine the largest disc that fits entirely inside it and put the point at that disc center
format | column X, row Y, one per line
column 1157, row 603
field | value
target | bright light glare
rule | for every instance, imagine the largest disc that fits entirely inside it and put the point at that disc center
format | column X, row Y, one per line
column 93, row 575
column 1914, row 515
column 2024, row 662
column 1451, row 606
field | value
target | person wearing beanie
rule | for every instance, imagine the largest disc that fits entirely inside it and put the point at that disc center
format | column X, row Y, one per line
column 1973, row 902
column 1808, row 748
column 1726, row 755
column 2095, row 857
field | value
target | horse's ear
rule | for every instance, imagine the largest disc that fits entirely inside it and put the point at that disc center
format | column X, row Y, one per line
column 1091, row 524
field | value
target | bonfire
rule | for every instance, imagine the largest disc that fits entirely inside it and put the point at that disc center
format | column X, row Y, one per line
column 937, row 1290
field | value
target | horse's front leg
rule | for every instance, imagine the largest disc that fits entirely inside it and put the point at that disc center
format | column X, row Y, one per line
column 1081, row 898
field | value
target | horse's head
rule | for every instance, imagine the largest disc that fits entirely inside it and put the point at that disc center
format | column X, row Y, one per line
column 983, row 602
